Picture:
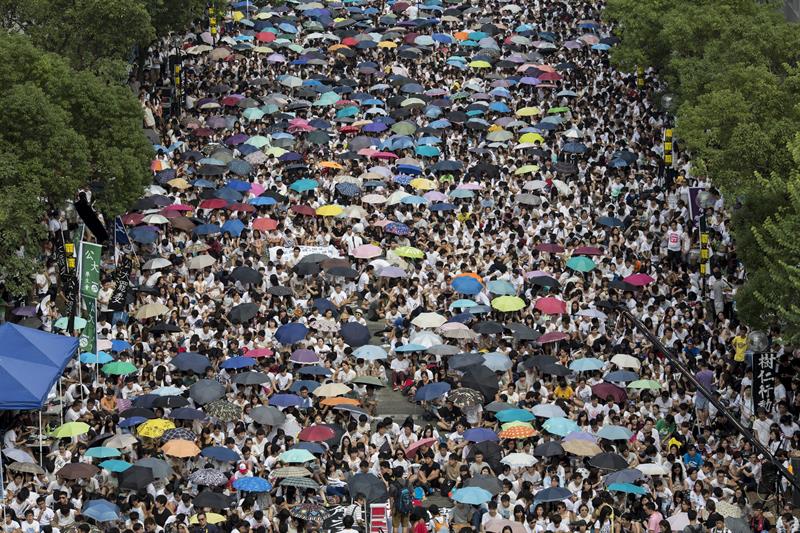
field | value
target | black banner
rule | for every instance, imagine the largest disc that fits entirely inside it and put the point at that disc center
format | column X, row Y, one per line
column 90, row 218
column 67, row 273
column 334, row 523
column 764, row 379
column 122, row 283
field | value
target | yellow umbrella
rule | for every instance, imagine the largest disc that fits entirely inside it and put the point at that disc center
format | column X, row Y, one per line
column 180, row 448
column 237, row 16
column 263, row 49
column 531, row 138
column 515, row 423
column 409, row 252
column 480, row 64
column 331, row 164
column 423, row 184
column 211, row 518
column 387, row 44
column 526, row 169
column 154, row 428
column 508, row 304
column 331, row 389
column 277, row 151
column 179, row 183
column 528, row 111
column 330, row 210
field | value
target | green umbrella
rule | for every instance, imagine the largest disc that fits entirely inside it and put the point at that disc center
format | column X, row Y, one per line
column 327, row 99
column 70, row 429
column 581, row 264
column 508, row 304
column 369, row 380
column 644, row 384
column 258, row 141
column 118, row 368
column 63, row 322
column 403, row 128
column 556, row 110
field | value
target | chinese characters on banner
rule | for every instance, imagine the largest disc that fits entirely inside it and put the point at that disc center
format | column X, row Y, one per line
column 121, row 285
column 764, row 376
column 90, row 269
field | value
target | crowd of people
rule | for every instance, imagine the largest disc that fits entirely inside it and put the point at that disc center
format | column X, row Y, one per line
column 439, row 201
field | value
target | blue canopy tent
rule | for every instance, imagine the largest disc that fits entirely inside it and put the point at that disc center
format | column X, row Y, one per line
column 31, row 361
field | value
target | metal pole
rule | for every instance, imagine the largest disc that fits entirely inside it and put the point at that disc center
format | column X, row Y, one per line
column 41, row 457
column 624, row 311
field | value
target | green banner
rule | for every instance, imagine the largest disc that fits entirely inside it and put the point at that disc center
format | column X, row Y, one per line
column 88, row 339
column 90, row 269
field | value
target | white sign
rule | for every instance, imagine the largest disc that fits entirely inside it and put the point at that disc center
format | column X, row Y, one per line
column 329, row 250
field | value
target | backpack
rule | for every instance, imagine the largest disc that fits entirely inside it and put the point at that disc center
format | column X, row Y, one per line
column 402, row 501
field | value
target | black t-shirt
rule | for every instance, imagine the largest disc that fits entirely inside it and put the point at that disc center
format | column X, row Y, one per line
column 427, row 469
column 161, row 516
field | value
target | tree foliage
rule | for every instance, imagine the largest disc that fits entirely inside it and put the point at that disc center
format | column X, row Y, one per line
column 731, row 65
column 61, row 130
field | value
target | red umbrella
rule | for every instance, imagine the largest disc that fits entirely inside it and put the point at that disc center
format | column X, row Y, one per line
column 247, row 208
column 553, row 336
column 259, row 352
column 551, row 306
column 132, row 219
column 316, row 434
column 265, row 36
column 587, row 250
column 604, row 390
column 303, row 210
column 638, row 280
column 265, row 224
column 551, row 247
column 203, row 132
column 179, row 207
column 213, row 203
column 550, row 76
column 411, row 450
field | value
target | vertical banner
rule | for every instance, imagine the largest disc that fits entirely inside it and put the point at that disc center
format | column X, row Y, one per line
column 695, row 209
column 764, row 379
column 88, row 338
column 121, row 284
column 90, row 269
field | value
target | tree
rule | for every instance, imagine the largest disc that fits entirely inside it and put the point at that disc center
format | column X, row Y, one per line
column 61, row 130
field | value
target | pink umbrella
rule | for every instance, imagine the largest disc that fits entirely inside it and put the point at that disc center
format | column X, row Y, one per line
column 367, row 251
column 259, row 352
column 256, row 189
column 536, row 274
column 411, row 450
column 435, row 196
column 384, row 155
column 587, row 250
column 639, row 280
column 551, row 306
column 471, row 186
column 382, row 223
column 553, row 336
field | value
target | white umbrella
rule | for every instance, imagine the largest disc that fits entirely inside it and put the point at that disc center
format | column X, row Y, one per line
column 426, row 339
column 429, row 320
column 652, row 469
column 678, row 521
column 121, row 441
column 158, row 262
column 201, row 261
column 516, row 460
column 156, row 219
column 624, row 360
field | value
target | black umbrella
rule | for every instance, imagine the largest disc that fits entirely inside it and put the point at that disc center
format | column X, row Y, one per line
column 268, row 415
column 212, row 500
column 539, row 361
column 342, row 272
column 522, row 332
column 373, row 489
column 250, row 378
column 137, row 411
column 496, row 407
column 243, row 313
column 307, row 269
column 245, row 274
column 464, row 360
column 548, row 449
column 492, row 453
column 136, row 478
column 555, row 369
column 164, row 327
column 206, row 391
column 492, row 484
column 191, row 362
column 489, row 327
column 279, row 290
column 608, row 461
column 171, row 401
column 355, row 334
column 483, row 380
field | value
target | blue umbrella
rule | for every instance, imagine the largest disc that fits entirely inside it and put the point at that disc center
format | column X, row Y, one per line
column 314, row 370
column 220, row 453
column 132, row 421
column 115, row 465
column 262, row 200
column 238, row 362
column 610, row 221
column 498, row 362
column 471, row 495
column 467, row 285
column 100, row 358
column 191, row 362
column 611, row 432
column 405, row 348
column 291, row 333
column 355, row 334
column 252, row 484
column 118, row 345
column 500, row 286
column 551, row 494
column 348, row 189
column 370, row 352
column 431, row 391
column 629, row 475
column 238, row 185
column 621, row 376
column 304, row 184
column 102, row 452
column 285, row 400
column 186, row 413
column 143, row 235
column 627, row 488
column 480, row 435
column 313, row 447
column 560, row 426
column 514, row 415
column 233, row 227
column 307, row 383
column 101, row 510
column 207, row 229
column 586, row 364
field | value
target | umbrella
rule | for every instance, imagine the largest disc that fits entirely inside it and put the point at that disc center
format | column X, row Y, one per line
column 355, row 334
column 518, row 460
column 268, row 415
column 135, row 478
column 551, row 494
column 559, row 426
column 581, row 448
column 317, row 433
column 70, row 429
column 608, row 461
column 310, row 512
column 291, row 333
column 512, row 415
column 252, row 484
column 296, row 456
column 77, row 471
column 220, row 453
column 115, row 465
column 481, row 379
column 208, row 477
column 611, row 432
column 212, row 500
column 581, row 264
column 206, row 391
column 412, row 450
column 332, row 389
column 548, row 410
column 154, row 428
column 628, row 475
column 191, row 362
column 471, row 495
column 160, row 468
column 508, row 304
column 649, row 384
column 465, row 397
column 26, row 468
column 628, row 488
column 621, row 376
column 606, row 390
column 299, row 482
column 180, row 448
column 291, row 471
column 223, row 410
column 431, row 391
column 102, row 452
column 652, row 469
column 372, row 487
column 479, row 434
column 549, row 449
column 101, row 510
column 624, row 360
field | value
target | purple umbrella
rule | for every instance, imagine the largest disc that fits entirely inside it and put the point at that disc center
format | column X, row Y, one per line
column 28, row 310
column 580, row 435
column 480, row 435
column 237, row 139
column 303, row 355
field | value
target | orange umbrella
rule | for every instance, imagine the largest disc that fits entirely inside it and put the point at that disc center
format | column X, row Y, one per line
column 337, row 46
column 517, row 432
column 461, row 35
column 331, row 164
column 470, row 275
column 180, row 448
column 339, row 401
